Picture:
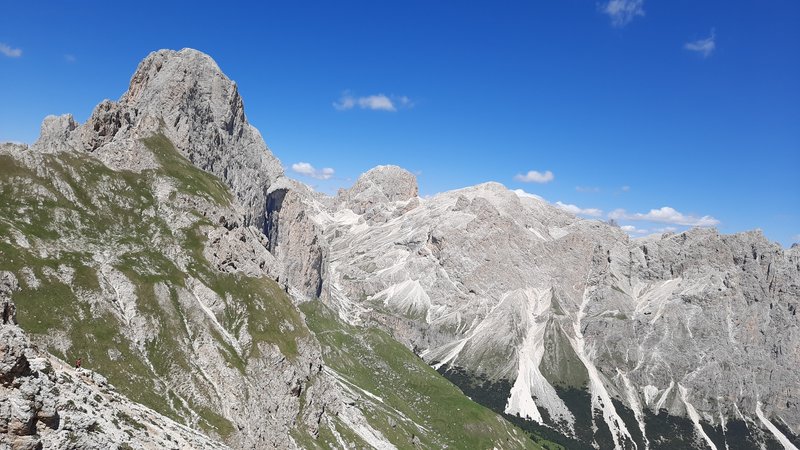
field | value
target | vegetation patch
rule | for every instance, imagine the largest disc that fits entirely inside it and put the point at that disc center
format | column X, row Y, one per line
column 192, row 180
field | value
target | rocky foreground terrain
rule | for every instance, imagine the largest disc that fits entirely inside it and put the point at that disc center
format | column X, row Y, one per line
column 215, row 302
column 49, row 404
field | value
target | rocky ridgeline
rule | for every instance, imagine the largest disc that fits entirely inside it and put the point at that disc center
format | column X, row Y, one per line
column 184, row 287
column 517, row 294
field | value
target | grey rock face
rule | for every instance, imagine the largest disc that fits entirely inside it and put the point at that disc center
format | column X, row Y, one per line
column 295, row 239
column 186, row 96
column 380, row 186
column 203, row 115
column 508, row 287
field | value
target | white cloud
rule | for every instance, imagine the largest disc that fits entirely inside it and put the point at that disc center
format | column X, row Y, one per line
column 535, row 177
column 703, row 46
column 632, row 229
column 593, row 212
column 625, row 188
column 622, row 12
column 405, row 101
column 665, row 215
column 9, row 51
column 378, row 102
column 304, row 168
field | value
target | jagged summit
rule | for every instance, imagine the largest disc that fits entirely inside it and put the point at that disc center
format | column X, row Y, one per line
column 381, row 186
column 187, row 64
column 184, row 96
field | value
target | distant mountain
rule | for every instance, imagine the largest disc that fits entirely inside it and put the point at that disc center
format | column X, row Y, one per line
column 683, row 340
column 162, row 243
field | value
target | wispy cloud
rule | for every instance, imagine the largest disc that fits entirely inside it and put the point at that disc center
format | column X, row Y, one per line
column 377, row 102
column 534, row 176
column 10, row 51
column 587, row 189
column 665, row 215
column 622, row 12
column 70, row 58
column 304, row 168
column 704, row 47
column 593, row 212
column 404, row 101
column 625, row 188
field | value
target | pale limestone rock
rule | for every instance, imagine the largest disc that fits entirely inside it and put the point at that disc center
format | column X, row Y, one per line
column 469, row 277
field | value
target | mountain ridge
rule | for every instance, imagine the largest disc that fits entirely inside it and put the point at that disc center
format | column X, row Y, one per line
column 165, row 225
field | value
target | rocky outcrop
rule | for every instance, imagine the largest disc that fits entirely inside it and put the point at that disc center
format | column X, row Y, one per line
column 295, row 239
column 379, row 186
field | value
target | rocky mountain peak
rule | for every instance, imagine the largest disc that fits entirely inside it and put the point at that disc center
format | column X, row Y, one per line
column 163, row 68
column 184, row 96
column 380, row 186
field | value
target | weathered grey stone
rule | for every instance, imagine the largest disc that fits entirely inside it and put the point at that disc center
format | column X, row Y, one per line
column 507, row 286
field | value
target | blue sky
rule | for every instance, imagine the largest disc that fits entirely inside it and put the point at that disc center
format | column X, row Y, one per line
column 660, row 114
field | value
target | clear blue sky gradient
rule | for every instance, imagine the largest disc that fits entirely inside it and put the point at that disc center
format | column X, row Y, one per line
column 497, row 89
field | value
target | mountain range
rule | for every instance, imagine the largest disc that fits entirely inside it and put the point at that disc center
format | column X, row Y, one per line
column 215, row 302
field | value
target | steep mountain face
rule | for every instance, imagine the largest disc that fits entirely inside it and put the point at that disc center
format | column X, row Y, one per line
column 686, row 340
column 161, row 243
